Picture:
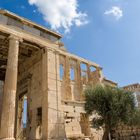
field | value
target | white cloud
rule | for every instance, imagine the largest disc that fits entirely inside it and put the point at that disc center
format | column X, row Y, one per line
column 115, row 11
column 60, row 13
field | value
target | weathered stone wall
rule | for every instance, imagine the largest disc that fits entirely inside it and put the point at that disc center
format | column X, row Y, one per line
column 61, row 100
column 19, row 25
column 30, row 84
column 76, row 123
column 54, row 105
column 55, row 114
column 124, row 132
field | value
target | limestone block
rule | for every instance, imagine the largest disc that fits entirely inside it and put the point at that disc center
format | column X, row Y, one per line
column 53, row 38
column 53, row 131
column 52, row 84
column 14, row 23
column 51, row 76
column 35, row 102
column 52, row 115
column 73, row 128
column 80, row 109
column 52, row 105
column 52, row 101
column 71, row 115
column 51, row 62
column 68, row 108
column 52, row 67
column 52, row 93
column 3, row 19
column 45, row 35
column 31, row 30
column 59, row 83
column 61, row 119
column 62, row 133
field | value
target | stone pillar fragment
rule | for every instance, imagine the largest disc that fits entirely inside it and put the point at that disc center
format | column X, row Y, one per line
column 67, row 79
column 44, row 97
column 1, row 94
column 9, row 97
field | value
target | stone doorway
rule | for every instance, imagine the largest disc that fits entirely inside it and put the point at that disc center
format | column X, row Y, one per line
column 22, row 108
column 22, row 117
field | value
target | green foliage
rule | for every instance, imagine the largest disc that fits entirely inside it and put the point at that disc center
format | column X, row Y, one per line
column 97, row 122
column 134, row 120
column 113, row 105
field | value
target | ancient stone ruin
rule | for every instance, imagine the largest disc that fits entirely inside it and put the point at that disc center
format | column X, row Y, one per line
column 124, row 132
column 41, row 84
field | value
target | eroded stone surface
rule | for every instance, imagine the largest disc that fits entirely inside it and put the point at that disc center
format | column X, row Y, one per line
column 50, row 85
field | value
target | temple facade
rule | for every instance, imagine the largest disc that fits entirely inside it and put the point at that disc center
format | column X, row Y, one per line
column 135, row 88
column 41, row 84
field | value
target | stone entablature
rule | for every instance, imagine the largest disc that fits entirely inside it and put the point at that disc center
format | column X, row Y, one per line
column 19, row 23
column 133, row 87
column 109, row 82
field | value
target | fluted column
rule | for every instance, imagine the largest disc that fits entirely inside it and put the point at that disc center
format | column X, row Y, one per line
column 9, row 98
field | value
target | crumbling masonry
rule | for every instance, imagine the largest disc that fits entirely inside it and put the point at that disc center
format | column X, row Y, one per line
column 36, row 69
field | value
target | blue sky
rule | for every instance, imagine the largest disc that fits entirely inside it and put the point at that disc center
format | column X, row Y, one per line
column 104, row 31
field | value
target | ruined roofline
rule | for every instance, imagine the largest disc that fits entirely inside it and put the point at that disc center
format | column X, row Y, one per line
column 27, row 21
column 81, row 59
column 43, row 44
column 40, row 41
column 132, row 85
column 110, row 81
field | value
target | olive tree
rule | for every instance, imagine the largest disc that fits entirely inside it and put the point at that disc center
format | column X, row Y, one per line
column 113, row 105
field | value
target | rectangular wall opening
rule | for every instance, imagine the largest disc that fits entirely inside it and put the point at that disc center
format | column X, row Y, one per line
column 72, row 74
column 39, row 123
column 61, row 70
column 92, row 69
column 84, row 76
column 39, row 114
column 24, row 115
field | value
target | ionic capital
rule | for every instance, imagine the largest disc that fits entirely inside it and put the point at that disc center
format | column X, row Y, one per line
column 16, row 38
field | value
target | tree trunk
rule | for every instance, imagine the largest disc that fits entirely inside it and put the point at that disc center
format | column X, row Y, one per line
column 106, row 133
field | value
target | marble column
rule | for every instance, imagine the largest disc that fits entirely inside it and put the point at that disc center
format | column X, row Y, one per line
column 9, row 97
